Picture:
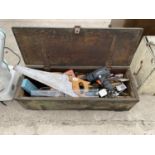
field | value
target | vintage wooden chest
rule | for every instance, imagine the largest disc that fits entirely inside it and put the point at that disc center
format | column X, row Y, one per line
column 81, row 49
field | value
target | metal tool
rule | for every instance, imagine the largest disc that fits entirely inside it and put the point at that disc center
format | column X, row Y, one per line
column 47, row 93
column 102, row 74
column 57, row 81
column 118, row 79
column 121, row 87
column 120, row 75
column 92, row 93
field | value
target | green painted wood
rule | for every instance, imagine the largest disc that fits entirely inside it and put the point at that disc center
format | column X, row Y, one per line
column 77, row 105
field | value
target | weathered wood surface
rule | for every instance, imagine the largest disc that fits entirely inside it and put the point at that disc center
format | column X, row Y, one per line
column 61, row 103
column 77, row 105
column 63, row 47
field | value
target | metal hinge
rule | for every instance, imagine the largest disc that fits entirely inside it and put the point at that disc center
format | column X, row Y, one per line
column 140, row 67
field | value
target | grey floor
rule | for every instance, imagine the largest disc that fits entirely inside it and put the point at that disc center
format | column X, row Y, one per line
column 14, row 119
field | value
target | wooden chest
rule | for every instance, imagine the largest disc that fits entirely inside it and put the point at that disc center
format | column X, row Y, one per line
column 143, row 65
column 81, row 49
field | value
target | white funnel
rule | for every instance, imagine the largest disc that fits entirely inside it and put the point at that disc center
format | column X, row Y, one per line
column 57, row 81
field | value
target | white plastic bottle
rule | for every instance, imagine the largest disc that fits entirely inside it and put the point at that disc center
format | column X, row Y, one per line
column 5, row 75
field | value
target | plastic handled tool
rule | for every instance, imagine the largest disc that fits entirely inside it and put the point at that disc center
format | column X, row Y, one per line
column 77, row 83
column 102, row 74
column 28, row 86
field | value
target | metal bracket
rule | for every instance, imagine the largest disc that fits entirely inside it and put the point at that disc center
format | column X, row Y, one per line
column 77, row 29
column 141, row 65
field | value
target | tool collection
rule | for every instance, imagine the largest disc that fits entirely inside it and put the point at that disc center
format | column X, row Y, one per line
column 98, row 83
column 88, row 70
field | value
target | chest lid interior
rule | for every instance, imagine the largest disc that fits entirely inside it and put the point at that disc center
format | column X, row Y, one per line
column 77, row 46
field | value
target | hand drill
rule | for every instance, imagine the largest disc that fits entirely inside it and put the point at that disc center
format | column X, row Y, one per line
column 102, row 74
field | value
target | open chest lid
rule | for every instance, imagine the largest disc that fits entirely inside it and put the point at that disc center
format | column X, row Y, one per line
column 77, row 46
